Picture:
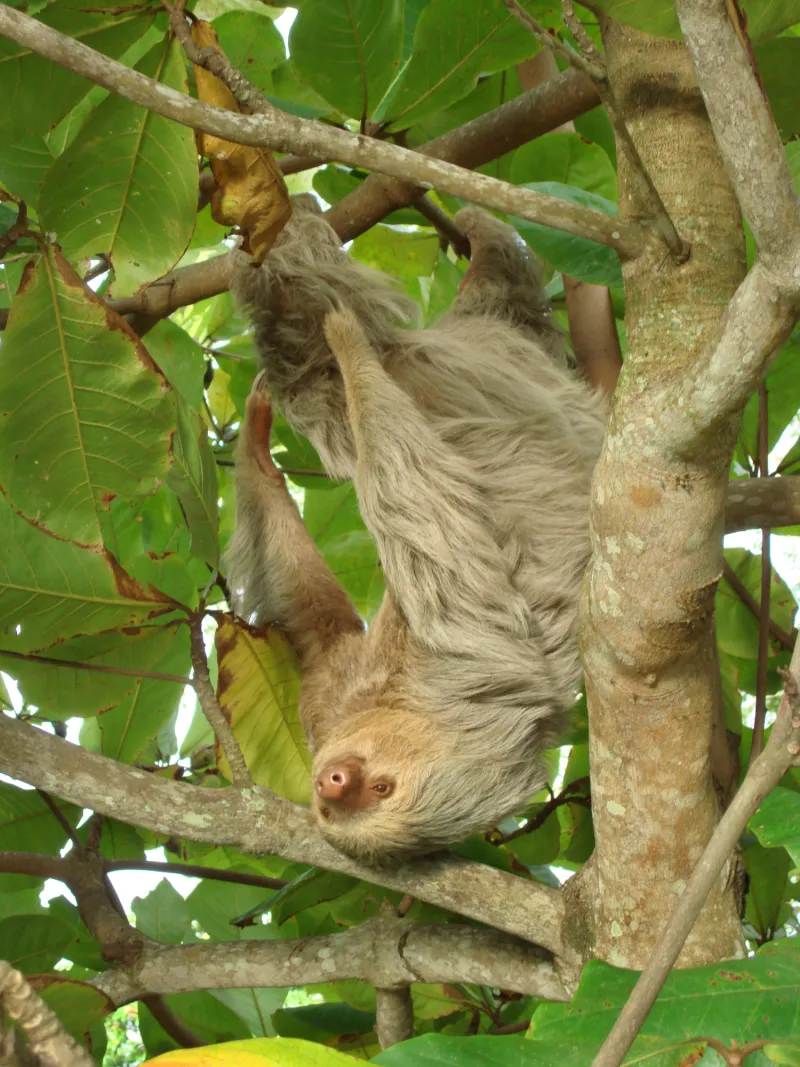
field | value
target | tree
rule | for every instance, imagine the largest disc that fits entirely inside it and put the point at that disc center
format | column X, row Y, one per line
column 124, row 369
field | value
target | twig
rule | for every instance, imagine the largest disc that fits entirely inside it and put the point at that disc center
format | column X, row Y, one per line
column 394, row 1016
column 513, row 1028
column 575, row 26
column 282, row 132
column 99, row 668
column 569, row 795
column 444, row 225
column 297, row 164
column 16, row 231
column 766, row 585
column 661, row 220
column 737, row 585
column 197, row 870
column 207, row 700
column 61, row 820
column 765, row 773
column 170, row 1023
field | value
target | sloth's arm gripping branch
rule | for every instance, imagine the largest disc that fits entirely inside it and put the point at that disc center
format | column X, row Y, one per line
column 276, row 571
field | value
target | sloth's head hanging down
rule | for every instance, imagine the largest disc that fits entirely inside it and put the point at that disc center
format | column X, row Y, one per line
column 471, row 446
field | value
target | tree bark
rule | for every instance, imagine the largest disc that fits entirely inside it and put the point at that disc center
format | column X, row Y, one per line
column 647, row 631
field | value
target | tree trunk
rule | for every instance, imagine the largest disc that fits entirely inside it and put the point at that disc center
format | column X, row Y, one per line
column 647, row 626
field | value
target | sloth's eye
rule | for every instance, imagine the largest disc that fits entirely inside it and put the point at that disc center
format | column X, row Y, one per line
column 383, row 789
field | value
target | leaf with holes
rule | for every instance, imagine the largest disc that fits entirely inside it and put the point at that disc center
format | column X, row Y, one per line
column 259, row 685
column 85, row 414
column 142, row 169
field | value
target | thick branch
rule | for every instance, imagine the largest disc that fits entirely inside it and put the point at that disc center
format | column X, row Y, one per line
column 764, row 774
column 255, row 821
column 759, row 503
column 394, row 1016
column 387, row 953
column 743, row 126
column 758, row 320
column 282, row 132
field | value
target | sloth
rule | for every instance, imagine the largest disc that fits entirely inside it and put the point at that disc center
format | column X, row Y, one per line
column 471, row 445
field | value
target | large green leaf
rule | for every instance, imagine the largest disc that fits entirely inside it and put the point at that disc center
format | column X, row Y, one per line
column 86, row 414
column 252, row 43
column 128, row 732
column 78, row 1005
column 36, row 92
column 194, row 478
column 200, row 1012
column 181, row 359
column 777, row 64
column 24, row 165
column 348, row 50
column 777, row 821
column 737, row 624
column 765, row 18
column 783, row 401
column 163, row 915
column 35, row 944
column 768, row 887
column 28, row 825
column 568, row 159
column 142, row 170
column 52, row 589
column 259, row 685
column 455, row 43
column 576, row 256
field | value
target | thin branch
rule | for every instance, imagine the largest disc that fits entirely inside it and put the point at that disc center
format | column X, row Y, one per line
column 661, row 220
column 569, row 795
column 444, row 225
column 766, row 585
column 58, row 815
column 99, row 668
column 193, row 870
column 779, row 755
column 755, row 504
column 170, row 1023
column 744, row 128
column 207, row 699
column 394, row 1016
column 282, row 132
column 575, row 26
column 387, row 953
column 256, row 821
column 755, row 607
column 297, row 164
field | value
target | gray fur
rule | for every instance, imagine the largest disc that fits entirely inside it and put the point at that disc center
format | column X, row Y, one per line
column 472, row 446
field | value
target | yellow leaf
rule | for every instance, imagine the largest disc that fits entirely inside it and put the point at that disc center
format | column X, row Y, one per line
column 259, row 686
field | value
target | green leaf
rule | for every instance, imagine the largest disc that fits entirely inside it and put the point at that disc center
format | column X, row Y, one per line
column 163, row 915
column 318, row 1022
column 777, row 64
column 576, row 256
column 737, row 625
column 53, row 589
column 63, row 692
column 348, row 50
column 312, row 887
column 201, row 1012
column 259, row 685
column 783, row 400
column 768, row 887
column 455, row 44
column 28, row 825
column 35, row 944
column 539, row 847
column 127, row 732
column 24, row 165
column 181, row 359
column 565, row 158
column 767, row 18
column 777, row 822
column 78, row 1005
column 86, row 414
column 142, row 169
column 404, row 256
column 252, row 43
column 36, row 92
column 194, row 479
column 657, row 17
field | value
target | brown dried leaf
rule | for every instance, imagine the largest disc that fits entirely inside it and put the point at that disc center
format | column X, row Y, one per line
column 251, row 192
